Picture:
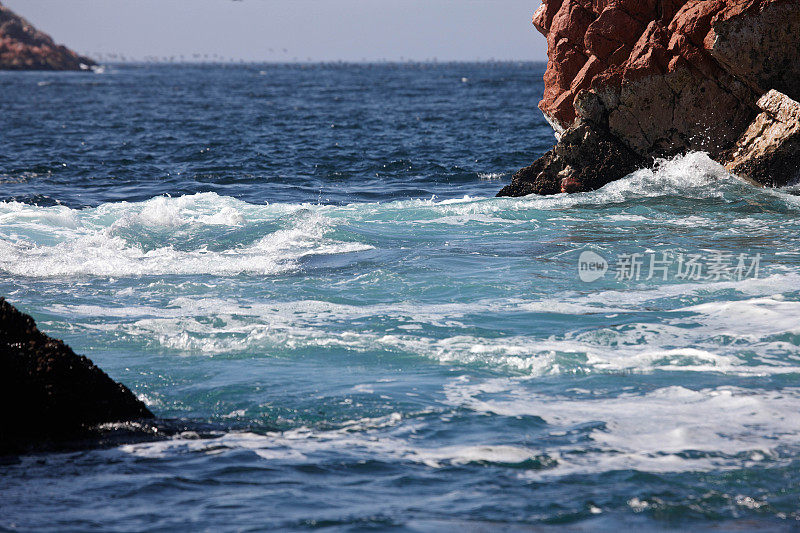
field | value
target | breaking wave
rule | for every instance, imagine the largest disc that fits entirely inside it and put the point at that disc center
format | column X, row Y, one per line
column 197, row 234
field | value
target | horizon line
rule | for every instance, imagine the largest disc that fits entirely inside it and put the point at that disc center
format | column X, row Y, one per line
column 190, row 62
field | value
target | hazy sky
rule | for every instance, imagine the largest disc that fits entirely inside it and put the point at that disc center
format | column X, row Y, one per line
column 320, row 30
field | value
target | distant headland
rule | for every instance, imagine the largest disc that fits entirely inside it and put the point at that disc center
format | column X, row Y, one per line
column 23, row 47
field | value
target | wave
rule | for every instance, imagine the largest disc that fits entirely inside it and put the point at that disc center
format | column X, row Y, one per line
column 365, row 438
column 753, row 336
column 206, row 233
column 666, row 430
column 198, row 234
column 663, row 430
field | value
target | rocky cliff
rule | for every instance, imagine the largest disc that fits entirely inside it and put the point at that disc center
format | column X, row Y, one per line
column 656, row 78
column 23, row 47
column 48, row 393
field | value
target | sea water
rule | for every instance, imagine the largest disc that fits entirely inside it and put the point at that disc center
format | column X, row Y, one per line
column 310, row 261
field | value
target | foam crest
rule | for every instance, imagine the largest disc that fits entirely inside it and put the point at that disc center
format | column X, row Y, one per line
column 163, row 236
column 680, row 342
column 666, row 430
column 694, row 173
column 382, row 438
column 278, row 327
column 755, row 318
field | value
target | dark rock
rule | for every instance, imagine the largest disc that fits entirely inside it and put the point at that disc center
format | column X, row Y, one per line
column 48, row 393
column 23, row 47
column 586, row 158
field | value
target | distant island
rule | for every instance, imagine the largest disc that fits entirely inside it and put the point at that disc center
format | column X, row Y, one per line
column 23, row 47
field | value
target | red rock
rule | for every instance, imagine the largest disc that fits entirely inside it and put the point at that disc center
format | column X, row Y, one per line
column 23, row 47
column 606, row 30
column 668, row 76
column 613, row 28
column 584, row 78
column 571, row 184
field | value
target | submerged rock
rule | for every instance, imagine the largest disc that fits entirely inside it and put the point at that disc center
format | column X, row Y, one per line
column 50, row 394
column 665, row 77
column 23, row 47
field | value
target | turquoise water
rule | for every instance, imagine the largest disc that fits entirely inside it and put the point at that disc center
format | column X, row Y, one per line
column 377, row 342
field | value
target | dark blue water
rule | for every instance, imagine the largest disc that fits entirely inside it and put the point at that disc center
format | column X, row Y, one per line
column 321, row 134
column 310, row 261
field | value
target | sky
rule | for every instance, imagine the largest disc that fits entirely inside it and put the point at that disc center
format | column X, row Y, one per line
column 291, row 30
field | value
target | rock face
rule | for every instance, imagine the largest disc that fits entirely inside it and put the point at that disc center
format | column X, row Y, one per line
column 47, row 392
column 665, row 77
column 771, row 144
column 584, row 158
column 23, row 47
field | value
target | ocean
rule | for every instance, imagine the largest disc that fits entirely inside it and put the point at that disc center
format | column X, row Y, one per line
column 305, row 265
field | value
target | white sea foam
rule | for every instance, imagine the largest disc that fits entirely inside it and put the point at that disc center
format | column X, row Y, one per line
column 659, row 431
column 670, row 429
column 306, row 324
column 754, row 318
column 694, row 175
column 118, row 240
column 623, row 217
column 112, row 239
column 471, row 218
column 491, row 176
column 704, row 338
column 379, row 438
column 168, row 235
